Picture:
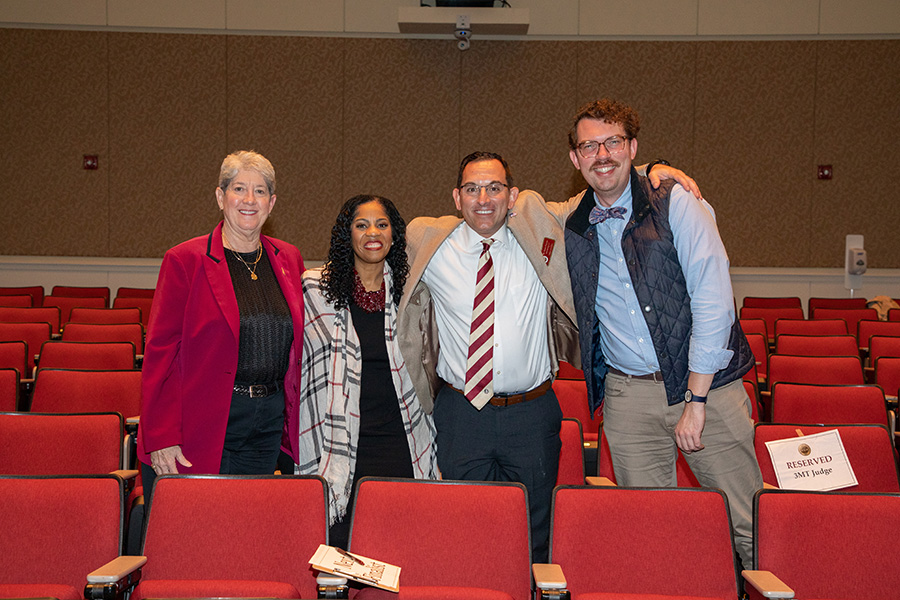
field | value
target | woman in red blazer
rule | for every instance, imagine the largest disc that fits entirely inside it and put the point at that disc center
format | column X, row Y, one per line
column 220, row 374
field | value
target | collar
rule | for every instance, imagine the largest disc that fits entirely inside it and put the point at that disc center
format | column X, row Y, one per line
column 215, row 249
column 640, row 207
column 471, row 240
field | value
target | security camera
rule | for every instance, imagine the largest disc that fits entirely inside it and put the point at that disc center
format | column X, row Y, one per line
column 463, row 44
column 462, row 34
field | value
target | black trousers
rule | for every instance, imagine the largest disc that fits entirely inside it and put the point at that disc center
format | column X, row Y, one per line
column 511, row 443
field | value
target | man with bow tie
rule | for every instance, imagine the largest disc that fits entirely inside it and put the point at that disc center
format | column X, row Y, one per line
column 660, row 346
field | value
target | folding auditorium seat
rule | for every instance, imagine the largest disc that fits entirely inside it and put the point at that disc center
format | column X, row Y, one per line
column 572, row 396
column 36, row 292
column 81, row 292
column 887, row 374
column 567, row 371
column 114, row 332
column 133, row 292
column 9, row 389
column 14, row 355
column 827, row 545
column 815, row 304
column 54, row 530
column 770, row 315
column 65, row 391
column 33, row 334
column 836, row 404
column 811, row 327
column 753, row 393
column 43, row 314
column 759, row 345
column 213, row 536
column 894, row 314
column 60, row 444
column 772, row 302
column 571, row 456
column 832, row 370
column 869, row 448
column 852, row 315
column 67, row 303
column 144, row 304
column 882, row 345
column 23, row 301
column 816, row 345
column 105, row 315
column 620, row 543
column 453, row 539
column 684, row 477
column 754, row 326
column 60, row 354
column 868, row 329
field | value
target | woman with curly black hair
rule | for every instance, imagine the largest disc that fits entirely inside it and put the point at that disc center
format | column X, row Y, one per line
column 359, row 411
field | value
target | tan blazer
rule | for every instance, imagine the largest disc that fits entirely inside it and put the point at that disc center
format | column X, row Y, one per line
column 536, row 225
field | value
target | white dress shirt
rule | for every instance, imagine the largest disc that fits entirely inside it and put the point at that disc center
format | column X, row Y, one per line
column 521, row 356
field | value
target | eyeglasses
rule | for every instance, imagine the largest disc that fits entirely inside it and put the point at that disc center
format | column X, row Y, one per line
column 590, row 148
column 493, row 189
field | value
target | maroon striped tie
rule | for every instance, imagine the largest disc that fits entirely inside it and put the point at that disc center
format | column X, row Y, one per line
column 480, row 364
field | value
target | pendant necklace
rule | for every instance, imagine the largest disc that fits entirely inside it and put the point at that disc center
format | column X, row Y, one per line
column 255, row 262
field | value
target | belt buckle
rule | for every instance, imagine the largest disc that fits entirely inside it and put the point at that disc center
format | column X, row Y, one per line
column 258, row 391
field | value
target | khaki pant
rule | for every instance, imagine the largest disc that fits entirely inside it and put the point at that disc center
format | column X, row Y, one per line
column 640, row 427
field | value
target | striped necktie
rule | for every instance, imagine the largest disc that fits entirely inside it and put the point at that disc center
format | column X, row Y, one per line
column 480, row 364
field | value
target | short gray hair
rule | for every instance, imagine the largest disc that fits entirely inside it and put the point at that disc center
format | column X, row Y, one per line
column 246, row 160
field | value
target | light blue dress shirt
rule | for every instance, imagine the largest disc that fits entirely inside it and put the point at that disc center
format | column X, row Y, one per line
column 624, row 335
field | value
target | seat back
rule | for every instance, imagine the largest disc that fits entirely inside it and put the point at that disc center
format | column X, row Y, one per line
column 9, row 389
column 894, row 314
column 753, row 393
column 852, row 315
column 145, row 304
column 571, row 455
column 105, row 315
column 67, row 303
column 36, row 292
column 567, row 371
column 55, row 530
column 815, row 304
column 43, row 314
column 14, row 355
column 835, row 404
column 880, row 345
column 770, row 315
column 684, row 476
column 74, row 291
column 113, row 332
column 828, row 545
column 816, row 345
column 69, row 390
column 446, row 533
column 832, row 370
column 58, row 354
column 869, row 449
column 60, row 444
column 811, row 327
column 772, row 302
column 253, row 527
column 759, row 345
column 754, row 326
column 23, row 301
column 33, row 334
column 573, row 400
column 887, row 374
column 133, row 292
column 867, row 329
column 613, row 540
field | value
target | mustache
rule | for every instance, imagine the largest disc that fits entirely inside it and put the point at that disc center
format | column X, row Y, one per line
column 604, row 162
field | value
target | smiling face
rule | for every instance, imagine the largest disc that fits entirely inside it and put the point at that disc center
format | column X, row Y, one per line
column 608, row 174
column 370, row 234
column 483, row 213
column 246, row 204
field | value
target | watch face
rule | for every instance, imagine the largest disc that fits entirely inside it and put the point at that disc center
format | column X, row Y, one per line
column 688, row 396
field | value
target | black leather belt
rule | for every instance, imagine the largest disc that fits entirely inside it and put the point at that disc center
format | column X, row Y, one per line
column 258, row 390
column 657, row 377
column 510, row 399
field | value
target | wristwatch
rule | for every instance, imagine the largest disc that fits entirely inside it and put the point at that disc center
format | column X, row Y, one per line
column 689, row 397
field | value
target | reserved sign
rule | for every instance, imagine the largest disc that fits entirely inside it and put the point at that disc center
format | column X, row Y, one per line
column 812, row 462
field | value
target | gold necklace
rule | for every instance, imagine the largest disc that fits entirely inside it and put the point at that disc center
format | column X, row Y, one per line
column 255, row 262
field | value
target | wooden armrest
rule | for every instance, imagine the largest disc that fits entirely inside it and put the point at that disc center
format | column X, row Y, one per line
column 133, row 420
column 116, row 569
column 769, row 486
column 548, row 576
column 767, row 584
column 601, row 481
column 126, row 474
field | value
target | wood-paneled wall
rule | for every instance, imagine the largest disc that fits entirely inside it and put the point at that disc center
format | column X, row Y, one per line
column 340, row 116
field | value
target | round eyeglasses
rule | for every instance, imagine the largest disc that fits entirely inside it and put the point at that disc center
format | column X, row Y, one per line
column 493, row 189
column 590, row 148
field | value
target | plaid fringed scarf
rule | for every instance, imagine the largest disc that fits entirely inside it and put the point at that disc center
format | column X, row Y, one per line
column 330, row 389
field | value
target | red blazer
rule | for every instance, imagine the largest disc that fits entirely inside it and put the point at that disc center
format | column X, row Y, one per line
column 191, row 354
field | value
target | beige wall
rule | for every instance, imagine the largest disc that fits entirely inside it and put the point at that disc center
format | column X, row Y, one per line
column 339, row 116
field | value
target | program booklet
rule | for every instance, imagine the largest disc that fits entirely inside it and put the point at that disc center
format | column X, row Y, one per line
column 329, row 559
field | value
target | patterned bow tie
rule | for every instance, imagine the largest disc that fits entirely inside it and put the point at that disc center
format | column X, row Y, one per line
column 598, row 215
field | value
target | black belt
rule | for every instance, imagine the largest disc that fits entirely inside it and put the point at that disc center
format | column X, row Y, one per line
column 510, row 399
column 258, row 390
column 657, row 377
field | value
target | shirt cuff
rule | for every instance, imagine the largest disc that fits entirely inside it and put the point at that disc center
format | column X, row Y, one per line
column 708, row 360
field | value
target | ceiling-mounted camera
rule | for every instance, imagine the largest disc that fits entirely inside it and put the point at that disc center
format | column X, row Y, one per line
column 463, row 35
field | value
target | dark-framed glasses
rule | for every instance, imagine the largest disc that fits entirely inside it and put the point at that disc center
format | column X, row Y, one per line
column 493, row 189
column 590, row 148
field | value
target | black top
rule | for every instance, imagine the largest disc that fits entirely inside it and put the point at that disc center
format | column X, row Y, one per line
column 266, row 331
